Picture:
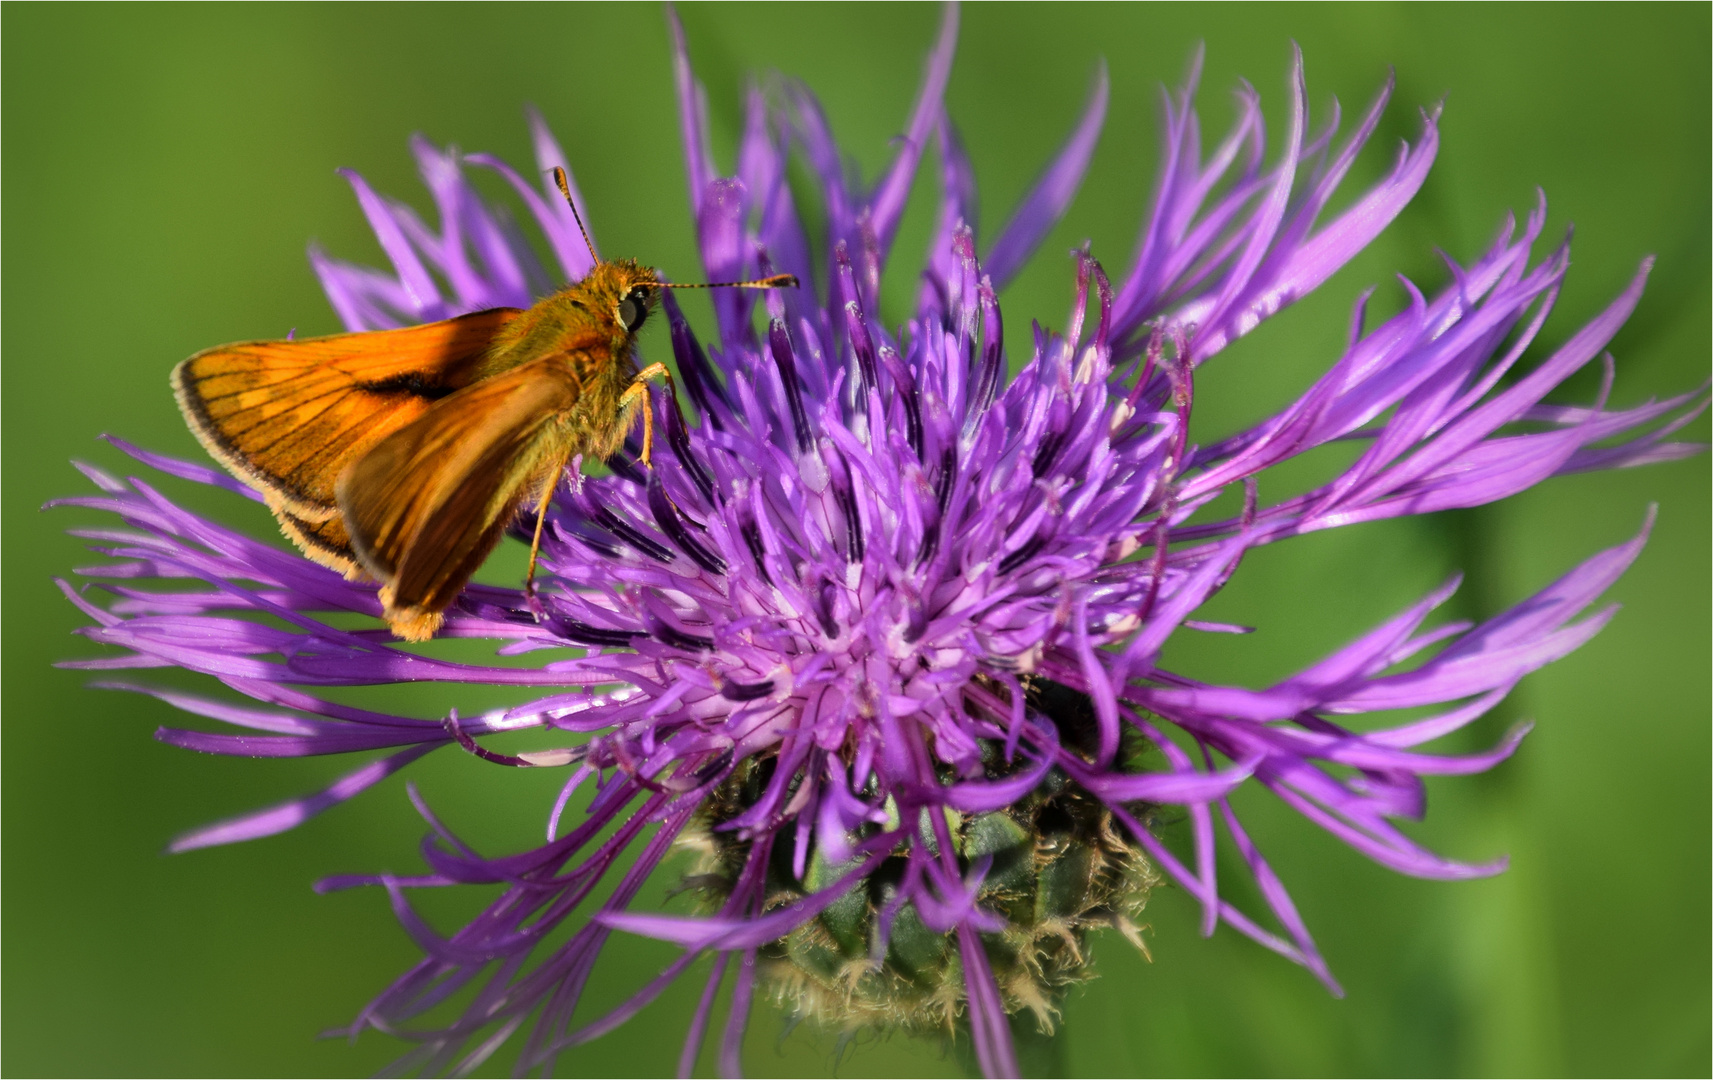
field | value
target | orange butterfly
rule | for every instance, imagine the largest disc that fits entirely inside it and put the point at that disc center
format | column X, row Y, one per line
column 402, row 455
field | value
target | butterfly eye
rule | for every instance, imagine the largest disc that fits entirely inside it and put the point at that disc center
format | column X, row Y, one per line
column 633, row 309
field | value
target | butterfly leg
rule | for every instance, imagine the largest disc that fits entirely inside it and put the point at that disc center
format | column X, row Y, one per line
column 639, row 389
column 547, row 491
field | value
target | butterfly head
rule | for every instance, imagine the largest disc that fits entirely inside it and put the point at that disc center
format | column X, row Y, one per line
column 623, row 291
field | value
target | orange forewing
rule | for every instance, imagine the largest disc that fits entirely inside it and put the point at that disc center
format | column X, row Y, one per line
column 426, row 505
column 288, row 417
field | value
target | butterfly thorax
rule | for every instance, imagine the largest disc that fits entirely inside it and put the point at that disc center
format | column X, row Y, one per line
column 590, row 328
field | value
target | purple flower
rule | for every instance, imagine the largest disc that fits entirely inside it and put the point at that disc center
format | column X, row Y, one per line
column 877, row 641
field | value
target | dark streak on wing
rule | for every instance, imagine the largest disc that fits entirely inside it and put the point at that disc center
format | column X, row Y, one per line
column 411, row 383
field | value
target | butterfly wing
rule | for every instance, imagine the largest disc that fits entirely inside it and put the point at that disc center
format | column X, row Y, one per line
column 428, row 503
column 288, row 417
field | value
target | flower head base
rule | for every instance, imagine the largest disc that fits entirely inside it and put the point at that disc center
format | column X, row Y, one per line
column 879, row 636
column 1055, row 867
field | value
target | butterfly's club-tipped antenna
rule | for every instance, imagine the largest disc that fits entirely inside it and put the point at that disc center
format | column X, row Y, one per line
column 565, row 190
column 776, row 281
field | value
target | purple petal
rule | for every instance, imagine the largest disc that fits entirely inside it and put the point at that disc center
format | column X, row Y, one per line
column 420, row 291
column 1047, row 201
column 989, row 1031
column 692, row 116
column 890, row 194
column 290, row 814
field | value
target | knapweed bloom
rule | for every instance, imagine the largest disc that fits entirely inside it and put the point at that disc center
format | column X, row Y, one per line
column 875, row 646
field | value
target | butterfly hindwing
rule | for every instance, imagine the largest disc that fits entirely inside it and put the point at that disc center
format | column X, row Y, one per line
column 427, row 504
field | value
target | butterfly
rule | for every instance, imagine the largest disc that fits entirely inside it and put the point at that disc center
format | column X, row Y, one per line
column 402, row 455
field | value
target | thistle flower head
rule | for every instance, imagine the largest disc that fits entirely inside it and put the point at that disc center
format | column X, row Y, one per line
column 877, row 639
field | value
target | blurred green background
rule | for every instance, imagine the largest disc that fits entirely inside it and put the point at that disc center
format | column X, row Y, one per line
column 164, row 167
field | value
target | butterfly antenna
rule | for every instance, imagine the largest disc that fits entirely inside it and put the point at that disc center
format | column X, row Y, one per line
column 565, row 190
column 777, row 281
